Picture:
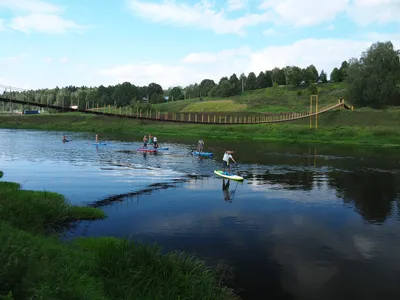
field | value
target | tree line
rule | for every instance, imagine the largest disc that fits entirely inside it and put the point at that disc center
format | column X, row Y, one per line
column 373, row 80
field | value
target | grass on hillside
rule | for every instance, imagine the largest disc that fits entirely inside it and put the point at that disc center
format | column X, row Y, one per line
column 40, row 266
column 369, row 127
column 215, row 106
column 278, row 99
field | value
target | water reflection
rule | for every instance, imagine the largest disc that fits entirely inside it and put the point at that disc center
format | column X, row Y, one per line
column 228, row 194
column 372, row 193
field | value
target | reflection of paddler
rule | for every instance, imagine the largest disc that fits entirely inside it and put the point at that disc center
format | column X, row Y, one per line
column 225, row 190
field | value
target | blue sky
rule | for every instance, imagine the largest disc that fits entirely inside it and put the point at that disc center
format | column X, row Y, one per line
column 174, row 42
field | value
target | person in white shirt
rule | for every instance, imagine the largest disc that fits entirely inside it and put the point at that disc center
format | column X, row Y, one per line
column 200, row 145
column 155, row 142
column 225, row 159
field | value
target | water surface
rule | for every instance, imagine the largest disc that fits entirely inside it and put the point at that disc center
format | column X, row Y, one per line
column 309, row 222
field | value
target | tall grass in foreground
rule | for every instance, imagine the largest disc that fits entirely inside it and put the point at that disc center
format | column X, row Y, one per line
column 40, row 211
column 40, row 266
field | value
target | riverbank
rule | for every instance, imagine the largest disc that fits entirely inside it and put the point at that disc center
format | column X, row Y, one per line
column 370, row 128
column 37, row 264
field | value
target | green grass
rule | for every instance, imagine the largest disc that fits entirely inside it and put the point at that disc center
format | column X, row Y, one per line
column 215, row 106
column 38, row 265
column 364, row 127
column 279, row 99
column 40, row 211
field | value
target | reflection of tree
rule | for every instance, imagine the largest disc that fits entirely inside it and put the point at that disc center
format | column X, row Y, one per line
column 302, row 180
column 371, row 193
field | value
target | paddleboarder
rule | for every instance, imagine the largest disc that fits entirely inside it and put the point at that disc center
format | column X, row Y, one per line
column 200, row 145
column 150, row 139
column 225, row 160
column 145, row 141
column 155, row 142
column 97, row 138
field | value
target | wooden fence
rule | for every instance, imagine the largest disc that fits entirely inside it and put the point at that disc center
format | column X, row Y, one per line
column 199, row 118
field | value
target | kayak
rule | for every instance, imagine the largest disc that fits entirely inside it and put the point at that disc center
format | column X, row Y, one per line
column 228, row 175
column 99, row 144
column 146, row 150
column 202, row 153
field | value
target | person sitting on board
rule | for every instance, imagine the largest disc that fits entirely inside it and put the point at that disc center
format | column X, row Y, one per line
column 97, row 138
column 200, row 145
column 145, row 142
column 155, row 142
column 225, row 159
column 64, row 139
column 150, row 139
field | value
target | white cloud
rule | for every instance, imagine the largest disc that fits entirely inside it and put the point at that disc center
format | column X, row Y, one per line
column 304, row 13
column 314, row 12
column 31, row 6
column 2, row 27
column 48, row 59
column 331, row 27
column 236, row 4
column 365, row 12
column 323, row 53
column 37, row 15
column 270, row 31
column 200, row 15
column 47, row 23
column 64, row 59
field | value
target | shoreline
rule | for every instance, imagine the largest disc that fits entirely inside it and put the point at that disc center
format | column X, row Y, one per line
column 298, row 132
column 31, row 226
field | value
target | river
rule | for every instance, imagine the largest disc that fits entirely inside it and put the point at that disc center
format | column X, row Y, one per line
column 308, row 222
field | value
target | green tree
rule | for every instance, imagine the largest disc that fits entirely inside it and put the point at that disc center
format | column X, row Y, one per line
column 343, row 70
column 373, row 79
column 226, row 88
column 323, row 77
column 336, row 76
column 251, row 82
column 268, row 77
column 235, row 83
column 261, row 81
column 206, row 85
column 176, row 93
column 155, row 93
column 294, row 75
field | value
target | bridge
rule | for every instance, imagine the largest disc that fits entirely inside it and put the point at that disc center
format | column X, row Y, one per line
column 196, row 118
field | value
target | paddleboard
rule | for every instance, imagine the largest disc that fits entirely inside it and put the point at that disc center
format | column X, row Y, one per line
column 99, row 144
column 163, row 148
column 228, row 175
column 202, row 153
column 146, row 150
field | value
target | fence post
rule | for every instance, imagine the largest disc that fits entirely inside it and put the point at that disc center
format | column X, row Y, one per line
column 202, row 118
column 214, row 119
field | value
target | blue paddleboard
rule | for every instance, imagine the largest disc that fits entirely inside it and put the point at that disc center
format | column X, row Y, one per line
column 202, row 153
column 99, row 144
column 163, row 148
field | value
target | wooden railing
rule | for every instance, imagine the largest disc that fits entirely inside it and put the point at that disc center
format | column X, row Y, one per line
column 197, row 118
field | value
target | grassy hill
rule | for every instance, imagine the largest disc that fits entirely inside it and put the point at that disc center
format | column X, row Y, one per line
column 279, row 99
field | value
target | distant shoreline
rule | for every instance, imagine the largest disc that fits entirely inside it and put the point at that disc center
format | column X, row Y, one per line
column 358, row 128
